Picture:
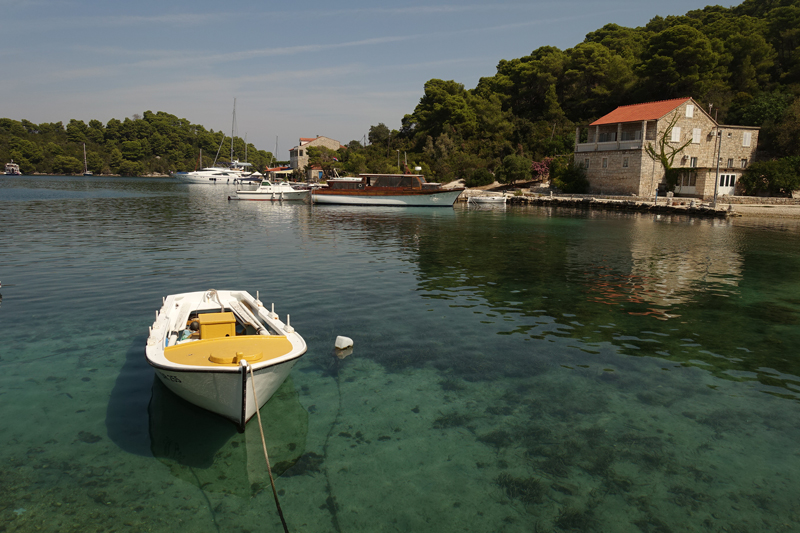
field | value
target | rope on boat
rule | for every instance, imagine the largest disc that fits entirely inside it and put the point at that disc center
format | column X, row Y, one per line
column 266, row 455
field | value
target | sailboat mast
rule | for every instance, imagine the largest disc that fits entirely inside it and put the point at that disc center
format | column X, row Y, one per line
column 233, row 128
column 85, row 165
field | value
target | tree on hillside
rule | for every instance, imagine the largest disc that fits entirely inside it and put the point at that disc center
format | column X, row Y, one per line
column 682, row 61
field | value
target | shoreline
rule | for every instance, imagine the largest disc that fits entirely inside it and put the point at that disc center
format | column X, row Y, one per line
column 677, row 205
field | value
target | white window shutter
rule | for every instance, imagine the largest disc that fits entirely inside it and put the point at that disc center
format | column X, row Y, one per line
column 689, row 111
column 696, row 133
column 746, row 138
column 676, row 134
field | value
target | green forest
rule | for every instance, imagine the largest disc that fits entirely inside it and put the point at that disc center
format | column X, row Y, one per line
column 150, row 144
column 742, row 63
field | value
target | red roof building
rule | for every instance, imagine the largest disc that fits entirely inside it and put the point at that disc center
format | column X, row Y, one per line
column 640, row 112
column 711, row 156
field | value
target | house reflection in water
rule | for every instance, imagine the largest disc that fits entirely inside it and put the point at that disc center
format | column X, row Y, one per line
column 664, row 267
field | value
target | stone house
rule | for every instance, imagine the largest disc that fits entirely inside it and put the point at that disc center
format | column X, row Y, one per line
column 614, row 157
column 298, row 156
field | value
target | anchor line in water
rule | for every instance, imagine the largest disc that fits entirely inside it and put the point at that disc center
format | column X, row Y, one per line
column 266, row 455
column 331, row 501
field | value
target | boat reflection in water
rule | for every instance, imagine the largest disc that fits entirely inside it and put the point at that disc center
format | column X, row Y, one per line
column 206, row 450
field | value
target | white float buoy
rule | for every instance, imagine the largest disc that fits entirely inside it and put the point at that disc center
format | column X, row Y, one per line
column 343, row 343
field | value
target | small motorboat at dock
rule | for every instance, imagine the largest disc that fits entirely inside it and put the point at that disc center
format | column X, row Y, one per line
column 222, row 349
column 272, row 192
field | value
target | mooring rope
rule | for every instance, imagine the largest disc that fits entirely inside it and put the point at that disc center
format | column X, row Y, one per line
column 266, row 455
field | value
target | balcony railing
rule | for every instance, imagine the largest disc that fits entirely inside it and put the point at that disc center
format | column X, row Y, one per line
column 608, row 146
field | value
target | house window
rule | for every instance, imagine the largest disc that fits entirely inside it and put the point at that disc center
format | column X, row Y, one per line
column 585, row 163
column 624, row 162
column 696, row 133
column 746, row 138
column 688, row 179
column 605, row 162
column 693, row 162
column 689, row 111
column 608, row 137
column 730, row 162
column 301, row 153
column 676, row 134
column 733, row 180
column 744, row 163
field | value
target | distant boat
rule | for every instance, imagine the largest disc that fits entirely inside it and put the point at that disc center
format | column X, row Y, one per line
column 85, row 165
column 12, row 169
column 235, row 170
column 409, row 190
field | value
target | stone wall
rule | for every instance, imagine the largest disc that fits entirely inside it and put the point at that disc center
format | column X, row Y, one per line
column 757, row 200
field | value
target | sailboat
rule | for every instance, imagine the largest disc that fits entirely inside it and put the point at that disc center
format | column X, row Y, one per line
column 85, row 164
column 236, row 171
column 243, row 169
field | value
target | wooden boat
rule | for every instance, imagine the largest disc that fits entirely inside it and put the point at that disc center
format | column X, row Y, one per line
column 203, row 345
column 386, row 189
column 268, row 191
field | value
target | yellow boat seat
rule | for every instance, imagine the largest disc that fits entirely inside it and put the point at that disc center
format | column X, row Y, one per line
column 228, row 351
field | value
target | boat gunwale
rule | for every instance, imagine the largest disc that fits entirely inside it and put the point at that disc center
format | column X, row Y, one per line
column 157, row 350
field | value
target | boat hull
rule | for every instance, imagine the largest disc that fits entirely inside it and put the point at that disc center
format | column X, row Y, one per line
column 228, row 394
column 213, row 371
column 272, row 196
column 487, row 199
column 206, row 179
column 438, row 198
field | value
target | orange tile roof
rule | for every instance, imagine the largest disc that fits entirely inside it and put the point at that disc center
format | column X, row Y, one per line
column 639, row 112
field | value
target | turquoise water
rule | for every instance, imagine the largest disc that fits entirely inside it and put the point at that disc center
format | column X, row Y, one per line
column 514, row 369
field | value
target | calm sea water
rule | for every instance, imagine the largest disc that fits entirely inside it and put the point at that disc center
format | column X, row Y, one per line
column 515, row 370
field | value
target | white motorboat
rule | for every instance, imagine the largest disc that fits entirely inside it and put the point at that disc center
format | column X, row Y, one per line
column 12, row 169
column 203, row 346
column 209, row 175
column 489, row 199
column 268, row 191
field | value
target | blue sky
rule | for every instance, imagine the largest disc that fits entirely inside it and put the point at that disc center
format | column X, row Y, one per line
column 297, row 69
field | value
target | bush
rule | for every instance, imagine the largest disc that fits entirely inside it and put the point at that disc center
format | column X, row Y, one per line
column 478, row 178
column 514, row 168
column 130, row 168
column 778, row 177
column 568, row 176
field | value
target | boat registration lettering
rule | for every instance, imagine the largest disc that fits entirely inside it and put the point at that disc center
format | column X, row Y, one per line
column 173, row 379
